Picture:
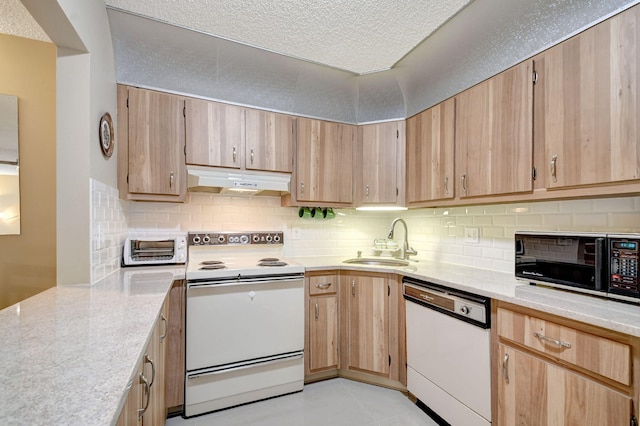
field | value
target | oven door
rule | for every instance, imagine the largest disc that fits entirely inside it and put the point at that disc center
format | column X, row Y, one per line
column 240, row 320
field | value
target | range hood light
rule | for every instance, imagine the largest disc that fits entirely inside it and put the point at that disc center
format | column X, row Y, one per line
column 381, row 208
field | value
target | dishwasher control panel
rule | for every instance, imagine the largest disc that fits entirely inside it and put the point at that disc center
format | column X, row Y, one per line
column 468, row 307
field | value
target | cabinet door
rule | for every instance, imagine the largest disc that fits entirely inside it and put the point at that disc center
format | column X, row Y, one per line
column 269, row 143
column 323, row 333
column 369, row 324
column 430, row 153
column 215, row 134
column 129, row 414
column 324, row 162
column 156, row 143
column 494, row 138
column 590, row 91
column 377, row 163
column 535, row 392
column 174, row 364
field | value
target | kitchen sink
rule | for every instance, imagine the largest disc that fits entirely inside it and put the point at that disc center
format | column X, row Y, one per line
column 377, row 261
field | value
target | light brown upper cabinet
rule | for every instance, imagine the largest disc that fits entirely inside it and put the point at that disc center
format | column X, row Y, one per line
column 430, row 154
column 223, row 135
column 151, row 132
column 324, row 162
column 494, row 138
column 590, row 88
column 379, row 164
column 215, row 134
column 269, row 139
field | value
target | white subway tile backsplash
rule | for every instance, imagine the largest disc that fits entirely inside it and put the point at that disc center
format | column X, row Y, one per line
column 437, row 233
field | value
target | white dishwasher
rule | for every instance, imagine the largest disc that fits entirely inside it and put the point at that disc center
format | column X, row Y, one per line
column 449, row 352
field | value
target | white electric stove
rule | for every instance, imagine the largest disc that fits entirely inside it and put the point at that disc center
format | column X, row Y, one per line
column 244, row 320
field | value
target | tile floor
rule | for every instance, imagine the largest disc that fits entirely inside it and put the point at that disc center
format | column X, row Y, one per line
column 334, row 402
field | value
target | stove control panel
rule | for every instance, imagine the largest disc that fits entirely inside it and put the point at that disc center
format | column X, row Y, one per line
column 234, row 238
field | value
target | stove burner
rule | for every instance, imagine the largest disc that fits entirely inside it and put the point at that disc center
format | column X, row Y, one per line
column 213, row 267
column 272, row 263
column 212, row 262
column 269, row 259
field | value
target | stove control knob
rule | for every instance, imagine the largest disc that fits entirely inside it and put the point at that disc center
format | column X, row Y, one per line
column 221, row 239
column 255, row 238
column 181, row 257
column 244, row 239
column 276, row 238
column 206, row 239
column 196, row 239
column 269, row 238
column 465, row 310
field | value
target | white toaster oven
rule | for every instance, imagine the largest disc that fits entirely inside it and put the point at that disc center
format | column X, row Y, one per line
column 156, row 250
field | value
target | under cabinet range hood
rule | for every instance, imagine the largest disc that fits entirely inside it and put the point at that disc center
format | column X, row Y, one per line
column 237, row 182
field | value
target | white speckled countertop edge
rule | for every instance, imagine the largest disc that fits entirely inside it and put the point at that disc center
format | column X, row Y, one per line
column 69, row 353
column 606, row 313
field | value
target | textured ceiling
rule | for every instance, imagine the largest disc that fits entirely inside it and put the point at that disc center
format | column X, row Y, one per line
column 358, row 36
column 17, row 21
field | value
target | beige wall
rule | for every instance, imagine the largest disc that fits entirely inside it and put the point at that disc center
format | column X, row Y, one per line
column 28, row 260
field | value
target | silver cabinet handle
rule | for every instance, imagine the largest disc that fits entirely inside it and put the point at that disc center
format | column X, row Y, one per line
column 505, row 368
column 171, row 179
column 552, row 340
column 446, row 185
column 235, row 154
column 317, row 313
column 553, row 168
column 323, row 286
column 166, row 326
column 301, row 188
column 353, row 287
column 251, row 155
column 366, row 191
column 147, row 390
column 464, row 183
column 153, row 368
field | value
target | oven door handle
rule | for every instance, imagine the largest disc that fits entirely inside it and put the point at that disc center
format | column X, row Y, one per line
column 242, row 281
column 217, row 371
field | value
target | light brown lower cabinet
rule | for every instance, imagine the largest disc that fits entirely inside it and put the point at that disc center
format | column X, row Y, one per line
column 552, row 371
column 535, row 392
column 174, row 364
column 372, row 330
column 145, row 404
column 321, row 336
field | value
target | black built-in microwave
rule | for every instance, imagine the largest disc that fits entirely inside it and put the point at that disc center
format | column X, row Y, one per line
column 596, row 263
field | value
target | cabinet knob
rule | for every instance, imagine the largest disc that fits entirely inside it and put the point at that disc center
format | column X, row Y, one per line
column 235, row 154
column 301, row 188
column 553, row 169
column 251, row 155
column 166, row 327
column 171, row 180
column 366, row 191
column 446, row 185
column 317, row 311
column 463, row 181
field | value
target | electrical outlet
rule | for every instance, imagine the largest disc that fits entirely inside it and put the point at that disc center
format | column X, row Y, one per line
column 471, row 235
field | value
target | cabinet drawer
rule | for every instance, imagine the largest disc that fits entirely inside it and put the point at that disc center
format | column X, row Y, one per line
column 322, row 284
column 603, row 356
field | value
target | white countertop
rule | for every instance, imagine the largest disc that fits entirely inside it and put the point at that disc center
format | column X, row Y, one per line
column 606, row 313
column 68, row 353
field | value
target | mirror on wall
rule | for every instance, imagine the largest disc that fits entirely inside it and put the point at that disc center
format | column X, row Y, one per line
column 9, row 167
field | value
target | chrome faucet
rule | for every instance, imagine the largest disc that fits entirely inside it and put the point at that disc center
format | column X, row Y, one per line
column 406, row 250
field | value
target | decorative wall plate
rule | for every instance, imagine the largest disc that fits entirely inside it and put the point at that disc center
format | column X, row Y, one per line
column 107, row 137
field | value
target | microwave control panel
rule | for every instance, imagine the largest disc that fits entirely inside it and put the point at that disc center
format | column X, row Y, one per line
column 623, row 265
